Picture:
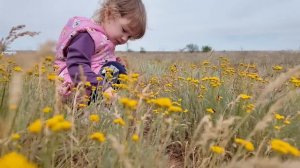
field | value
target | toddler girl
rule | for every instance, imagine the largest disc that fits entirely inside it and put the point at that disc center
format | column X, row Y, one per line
column 86, row 46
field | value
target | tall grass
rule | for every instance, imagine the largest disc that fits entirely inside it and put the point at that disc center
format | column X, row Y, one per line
column 208, row 89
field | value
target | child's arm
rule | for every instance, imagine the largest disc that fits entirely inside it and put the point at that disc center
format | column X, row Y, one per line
column 79, row 53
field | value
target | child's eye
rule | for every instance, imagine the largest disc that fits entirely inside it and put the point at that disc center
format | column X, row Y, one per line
column 123, row 29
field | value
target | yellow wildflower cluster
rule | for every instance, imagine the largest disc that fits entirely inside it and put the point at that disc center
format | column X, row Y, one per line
column 244, row 96
column 295, row 81
column 205, row 62
column 98, row 136
column 135, row 137
column 16, row 160
column 210, row 110
column 284, row 147
column 253, row 76
column 229, row 71
column 134, row 76
column 162, row 102
column 175, row 109
column 119, row 121
column 246, row 144
column 17, row 69
column 214, row 81
column 277, row 68
column 165, row 102
column 15, row 136
column 250, row 107
column 52, row 77
column 35, row 127
column 120, row 86
column 129, row 78
column 47, row 109
column 128, row 103
column 278, row 116
column 123, row 78
column 94, row 118
column 173, row 68
column 58, row 123
column 154, row 81
column 217, row 149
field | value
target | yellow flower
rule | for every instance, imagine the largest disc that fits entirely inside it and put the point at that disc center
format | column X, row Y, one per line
column 94, row 118
column 35, row 127
column 287, row 122
column 277, row 68
column 52, row 77
column 15, row 136
column 106, row 95
column 246, row 144
column 119, row 121
column 210, row 110
column 82, row 105
column 205, row 62
column 277, row 127
column 58, row 123
column 98, row 136
column 244, row 96
column 55, row 67
column 18, row 69
column 135, row 137
column 284, row 147
column 279, row 117
column 250, row 108
column 15, row 160
column 99, row 78
column 163, row 102
column 134, row 75
column 120, row 86
column 217, row 149
column 47, row 109
column 54, row 120
column 87, row 84
column 129, row 103
column 61, row 126
column 175, row 109
column 123, row 77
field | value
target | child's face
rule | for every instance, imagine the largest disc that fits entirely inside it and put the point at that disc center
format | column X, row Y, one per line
column 117, row 30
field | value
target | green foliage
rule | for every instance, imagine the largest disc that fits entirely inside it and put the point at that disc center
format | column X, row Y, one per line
column 206, row 48
column 192, row 48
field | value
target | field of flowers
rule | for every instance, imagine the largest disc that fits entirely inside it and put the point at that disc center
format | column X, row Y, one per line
column 173, row 110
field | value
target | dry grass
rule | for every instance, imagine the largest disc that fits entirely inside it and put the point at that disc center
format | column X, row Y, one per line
column 196, row 82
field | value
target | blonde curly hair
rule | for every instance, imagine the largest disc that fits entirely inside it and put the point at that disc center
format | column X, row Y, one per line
column 133, row 10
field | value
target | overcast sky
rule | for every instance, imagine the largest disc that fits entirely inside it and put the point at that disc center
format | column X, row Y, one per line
column 172, row 24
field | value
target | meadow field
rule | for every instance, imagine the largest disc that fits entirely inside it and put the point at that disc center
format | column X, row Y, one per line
column 173, row 109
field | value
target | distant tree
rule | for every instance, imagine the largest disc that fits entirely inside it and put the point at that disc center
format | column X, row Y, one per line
column 206, row 48
column 191, row 48
column 142, row 50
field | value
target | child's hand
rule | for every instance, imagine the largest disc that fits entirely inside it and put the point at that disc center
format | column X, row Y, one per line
column 65, row 89
column 111, row 94
column 122, row 61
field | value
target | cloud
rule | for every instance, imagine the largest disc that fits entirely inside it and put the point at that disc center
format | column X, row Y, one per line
column 255, row 24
